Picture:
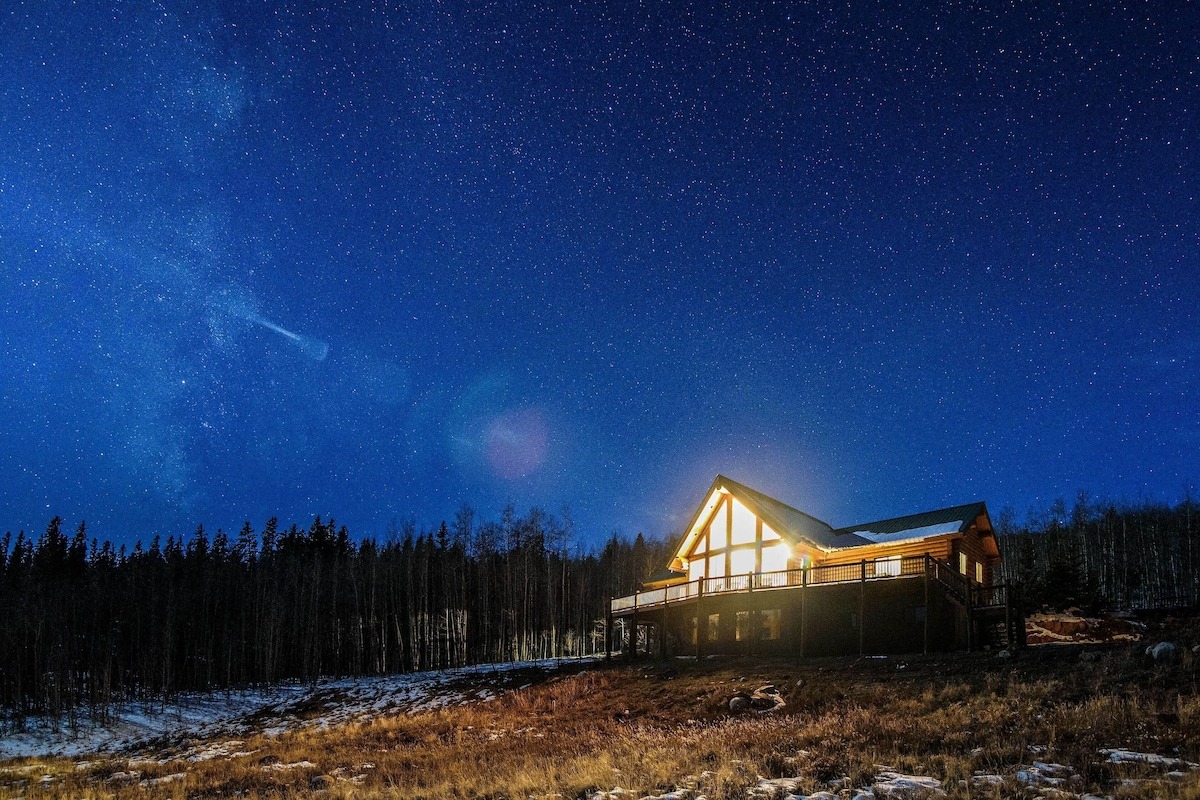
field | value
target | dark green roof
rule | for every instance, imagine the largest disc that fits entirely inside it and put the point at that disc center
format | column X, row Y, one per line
column 963, row 515
column 665, row 574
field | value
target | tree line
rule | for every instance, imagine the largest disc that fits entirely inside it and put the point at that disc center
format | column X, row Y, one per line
column 87, row 624
column 1104, row 555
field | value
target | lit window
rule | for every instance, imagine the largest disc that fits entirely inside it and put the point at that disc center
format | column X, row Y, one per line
column 887, row 566
column 714, row 627
column 768, row 534
column 695, row 568
column 775, row 557
column 718, row 535
column 716, row 566
column 962, row 563
column 741, row 561
column 978, row 572
column 744, row 525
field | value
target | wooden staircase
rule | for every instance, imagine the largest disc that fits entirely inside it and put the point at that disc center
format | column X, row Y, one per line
column 994, row 614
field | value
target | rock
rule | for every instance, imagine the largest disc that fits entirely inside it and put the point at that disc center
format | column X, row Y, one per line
column 1006, row 653
column 321, row 782
column 766, row 698
column 268, row 760
column 739, row 703
column 1163, row 653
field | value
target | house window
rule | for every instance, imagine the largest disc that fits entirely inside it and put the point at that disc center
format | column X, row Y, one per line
column 716, row 566
column 714, row 627
column 963, row 563
column 718, row 531
column 695, row 568
column 744, row 525
column 887, row 566
column 979, row 572
column 770, row 622
column 742, row 633
column 775, row 557
column 741, row 561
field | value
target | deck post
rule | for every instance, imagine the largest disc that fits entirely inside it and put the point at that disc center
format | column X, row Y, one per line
column 927, row 568
column 633, row 630
column 701, row 622
column 608, row 624
column 662, row 633
column 970, row 621
column 803, row 609
column 862, row 606
column 1008, row 626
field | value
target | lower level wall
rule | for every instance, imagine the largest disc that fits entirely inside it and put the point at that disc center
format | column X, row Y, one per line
column 872, row 618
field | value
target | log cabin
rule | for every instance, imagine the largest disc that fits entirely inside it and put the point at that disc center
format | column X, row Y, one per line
column 751, row 574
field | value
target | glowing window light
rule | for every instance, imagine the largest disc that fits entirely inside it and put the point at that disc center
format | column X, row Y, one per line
column 695, row 569
column 768, row 534
column 741, row 562
column 718, row 535
column 887, row 566
column 744, row 525
column 775, row 557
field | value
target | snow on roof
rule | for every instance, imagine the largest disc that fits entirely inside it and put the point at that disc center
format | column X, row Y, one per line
column 911, row 534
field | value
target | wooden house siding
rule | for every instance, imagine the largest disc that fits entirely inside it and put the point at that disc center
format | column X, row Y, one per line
column 752, row 574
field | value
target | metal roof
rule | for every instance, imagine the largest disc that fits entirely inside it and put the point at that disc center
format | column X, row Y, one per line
column 963, row 515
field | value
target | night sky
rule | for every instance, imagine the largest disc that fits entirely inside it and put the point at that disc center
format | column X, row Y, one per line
column 379, row 261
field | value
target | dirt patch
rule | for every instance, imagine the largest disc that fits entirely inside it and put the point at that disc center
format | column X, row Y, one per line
column 1069, row 628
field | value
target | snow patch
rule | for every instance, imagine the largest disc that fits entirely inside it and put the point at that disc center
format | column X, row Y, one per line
column 288, row 707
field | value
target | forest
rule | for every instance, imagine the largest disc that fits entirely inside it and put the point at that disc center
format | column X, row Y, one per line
column 87, row 624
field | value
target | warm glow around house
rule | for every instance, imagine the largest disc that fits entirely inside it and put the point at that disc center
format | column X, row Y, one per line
column 733, row 540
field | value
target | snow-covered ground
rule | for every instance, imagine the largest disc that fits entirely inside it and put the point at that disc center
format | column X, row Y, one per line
column 206, row 717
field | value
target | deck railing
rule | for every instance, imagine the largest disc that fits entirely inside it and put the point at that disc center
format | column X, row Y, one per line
column 874, row 570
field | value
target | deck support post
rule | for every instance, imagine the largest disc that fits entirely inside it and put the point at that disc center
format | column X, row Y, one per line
column 928, row 566
column 862, row 606
column 970, row 621
column 633, row 625
column 662, row 630
column 701, row 620
column 803, row 610
column 1008, row 622
column 608, row 624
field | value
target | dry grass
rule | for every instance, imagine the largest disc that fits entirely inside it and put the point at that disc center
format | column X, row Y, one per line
column 653, row 728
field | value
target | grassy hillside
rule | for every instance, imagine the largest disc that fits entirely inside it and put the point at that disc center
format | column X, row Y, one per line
column 981, row 726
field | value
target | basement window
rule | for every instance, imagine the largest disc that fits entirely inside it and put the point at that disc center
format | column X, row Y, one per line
column 771, row 620
column 743, row 626
column 714, row 627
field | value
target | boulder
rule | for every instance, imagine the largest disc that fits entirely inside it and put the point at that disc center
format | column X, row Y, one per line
column 321, row 782
column 1163, row 653
column 739, row 703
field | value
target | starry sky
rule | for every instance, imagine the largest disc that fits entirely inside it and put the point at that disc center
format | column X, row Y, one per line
column 377, row 260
